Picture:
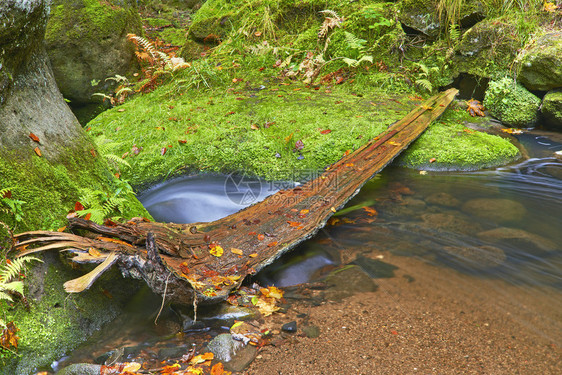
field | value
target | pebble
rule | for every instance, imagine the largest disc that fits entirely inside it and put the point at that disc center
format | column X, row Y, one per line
column 290, row 327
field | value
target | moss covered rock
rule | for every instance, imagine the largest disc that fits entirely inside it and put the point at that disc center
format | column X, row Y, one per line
column 86, row 42
column 540, row 63
column 420, row 15
column 551, row 109
column 511, row 103
column 487, row 49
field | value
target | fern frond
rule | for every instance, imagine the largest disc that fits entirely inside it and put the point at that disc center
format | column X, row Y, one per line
column 354, row 42
column 330, row 12
column 12, row 269
column 424, row 83
column 144, row 43
column 7, row 297
column 14, row 287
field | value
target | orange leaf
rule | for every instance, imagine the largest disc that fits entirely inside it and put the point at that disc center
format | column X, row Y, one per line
column 107, row 239
column 183, row 268
column 293, row 223
column 432, row 160
column 88, row 216
column 217, row 369
column 93, row 252
column 236, row 251
column 78, row 206
column 34, row 137
column 257, row 33
column 61, row 229
column 261, row 237
column 182, row 140
column 251, row 233
column 370, row 211
column 326, row 131
column 202, row 358
column 163, row 151
column 271, row 244
column 254, row 127
column 253, row 255
column 37, row 151
column 304, row 211
column 170, row 369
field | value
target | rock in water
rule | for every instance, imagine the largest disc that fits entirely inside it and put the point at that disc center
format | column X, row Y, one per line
column 502, row 234
column 477, row 257
column 496, row 210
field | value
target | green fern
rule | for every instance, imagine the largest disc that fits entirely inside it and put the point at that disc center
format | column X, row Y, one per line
column 11, row 206
column 355, row 42
column 8, row 272
column 105, row 147
column 101, row 206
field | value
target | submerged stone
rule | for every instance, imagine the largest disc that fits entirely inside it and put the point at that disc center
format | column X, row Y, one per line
column 477, row 257
column 496, row 210
column 449, row 222
column 290, row 327
column 502, row 234
column 443, row 199
column 347, row 282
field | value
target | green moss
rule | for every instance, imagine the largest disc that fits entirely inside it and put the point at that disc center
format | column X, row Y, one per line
column 217, row 129
column 59, row 322
column 511, row 103
column 50, row 188
column 88, row 20
column 455, row 147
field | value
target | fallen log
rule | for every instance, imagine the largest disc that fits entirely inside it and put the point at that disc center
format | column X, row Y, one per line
column 204, row 262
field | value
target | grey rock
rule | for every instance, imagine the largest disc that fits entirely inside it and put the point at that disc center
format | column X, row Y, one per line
column 348, row 281
column 233, row 353
column 290, row 327
column 80, row 369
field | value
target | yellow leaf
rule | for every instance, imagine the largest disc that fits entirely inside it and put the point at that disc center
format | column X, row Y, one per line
column 253, row 255
column 93, row 252
column 202, row 358
column 217, row 251
column 272, row 292
column 236, row 251
column 131, row 367
column 393, row 143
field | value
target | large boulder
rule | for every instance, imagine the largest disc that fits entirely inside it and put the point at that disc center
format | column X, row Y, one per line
column 551, row 109
column 540, row 63
column 511, row 103
column 421, row 16
column 487, row 48
column 87, row 43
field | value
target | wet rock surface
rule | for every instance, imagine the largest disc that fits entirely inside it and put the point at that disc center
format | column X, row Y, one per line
column 518, row 235
column 540, row 65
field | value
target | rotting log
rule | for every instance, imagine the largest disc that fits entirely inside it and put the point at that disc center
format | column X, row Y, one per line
column 204, row 262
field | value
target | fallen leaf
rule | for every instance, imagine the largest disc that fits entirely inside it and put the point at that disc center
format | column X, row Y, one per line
column 163, row 151
column 202, row 358
column 121, row 110
column 288, row 138
column 78, row 206
column 272, row 292
column 293, row 223
column 216, row 251
column 370, row 211
column 271, row 244
column 131, row 367
column 182, row 140
column 236, row 251
column 253, row 255
column 88, row 216
column 432, row 160
column 7, row 194
column 261, row 237
column 37, row 151
column 257, row 33
column 254, row 127
column 184, row 269
column 252, row 233
column 114, row 240
column 93, row 252
column 326, row 131
column 61, row 229
column 333, row 209
column 299, row 145
column 170, row 369
column 304, row 211
column 394, row 143
column 34, row 137
column 218, row 369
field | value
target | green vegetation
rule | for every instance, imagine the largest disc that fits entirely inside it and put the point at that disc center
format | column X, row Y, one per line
column 511, row 103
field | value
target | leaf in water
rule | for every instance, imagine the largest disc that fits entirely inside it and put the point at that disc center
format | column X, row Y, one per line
column 218, row 368
column 37, row 151
column 216, row 250
column 325, row 131
column 370, row 211
column 34, row 137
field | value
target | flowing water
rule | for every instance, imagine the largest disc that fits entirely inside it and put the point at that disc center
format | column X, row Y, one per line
column 503, row 225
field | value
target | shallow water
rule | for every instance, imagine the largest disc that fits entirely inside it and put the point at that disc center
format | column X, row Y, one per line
column 502, row 225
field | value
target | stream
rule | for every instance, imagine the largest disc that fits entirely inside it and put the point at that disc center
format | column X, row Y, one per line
column 502, row 225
